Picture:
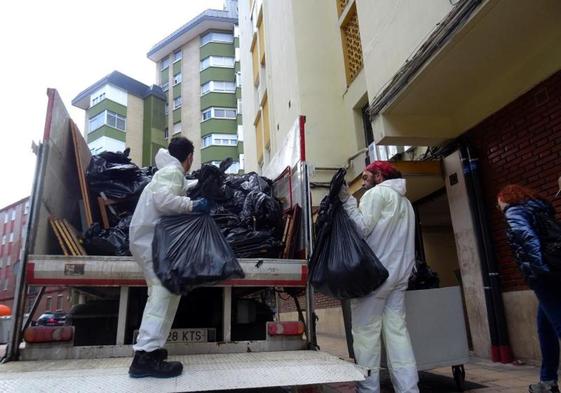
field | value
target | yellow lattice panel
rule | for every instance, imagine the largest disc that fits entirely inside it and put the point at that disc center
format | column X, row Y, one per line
column 351, row 44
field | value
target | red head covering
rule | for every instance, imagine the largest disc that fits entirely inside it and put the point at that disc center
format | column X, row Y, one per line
column 386, row 169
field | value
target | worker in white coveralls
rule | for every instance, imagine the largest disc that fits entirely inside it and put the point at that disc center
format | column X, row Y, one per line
column 164, row 195
column 386, row 219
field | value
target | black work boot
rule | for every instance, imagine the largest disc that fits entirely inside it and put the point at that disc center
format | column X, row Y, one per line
column 152, row 364
column 544, row 387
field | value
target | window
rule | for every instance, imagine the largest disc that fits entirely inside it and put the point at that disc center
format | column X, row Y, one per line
column 217, row 61
column 49, row 304
column 165, row 63
column 13, row 214
column 217, row 37
column 166, row 133
column 166, row 108
column 218, row 113
column 107, row 117
column 177, row 128
column 116, row 121
column 239, row 106
column 219, row 140
column 4, row 239
column 165, row 86
column 98, row 99
column 238, row 79
column 6, row 218
column 59, row 302
column 5, row 281
column 177, row 78
column 177, row 102
column 26, row 208
column 177, row 55
column 234, row 168
column 11, row 240
column 218, row 87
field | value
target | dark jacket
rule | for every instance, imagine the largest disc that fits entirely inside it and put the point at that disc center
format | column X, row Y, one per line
column 524, row 239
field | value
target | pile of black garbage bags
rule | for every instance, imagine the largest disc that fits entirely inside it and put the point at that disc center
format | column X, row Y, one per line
column 244, row 208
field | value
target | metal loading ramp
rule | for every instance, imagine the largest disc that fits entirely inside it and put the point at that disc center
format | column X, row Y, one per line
column 200, row 373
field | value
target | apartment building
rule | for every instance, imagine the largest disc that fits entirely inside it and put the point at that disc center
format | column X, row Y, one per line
column 463, row 95
column 198, row 68
column 122, row 112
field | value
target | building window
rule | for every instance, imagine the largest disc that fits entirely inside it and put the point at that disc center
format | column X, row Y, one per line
column 234, row 168
column 13, row 214
column 217, row 61
column 177, row 128
column 227, row 38
column 219, row 140
column 59, row 299
column 5, row 281
column 166, row 133
column 238, row 79
column 164, row 63
column 165, row 86
column 107, row 118
column 218, row 87
column 177, row 78
column 49, row 304
column 26, row 208
column 166, row 108
column 11, row 239
column 4, row 239
column 6, row 217
column 218, row 113
column 177, row 55
column 239, row 106
column 177, row 102
column 98, row 99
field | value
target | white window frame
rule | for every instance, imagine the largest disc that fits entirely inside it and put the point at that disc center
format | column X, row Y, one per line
column 219, row 140
column 176, row 58
column 166, row 108
column 239, row 106
column 13, row 215
column 4, row 239
column 227, row 87
column 165, row 86
column 6, row 219
column 96, row 100
column 11, row 238
column 164, row 63
column 176, row 128
column 26, row 208
column 166, row 133
column 217, row 61
column 214, row 111
column 217, row 37
column 177, row 78
column 105, row 115
column 177, row 102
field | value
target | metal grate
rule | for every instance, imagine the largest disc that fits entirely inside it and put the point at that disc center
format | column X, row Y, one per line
column 352, row 45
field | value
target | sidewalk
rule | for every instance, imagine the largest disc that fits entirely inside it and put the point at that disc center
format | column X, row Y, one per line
column 482, row 376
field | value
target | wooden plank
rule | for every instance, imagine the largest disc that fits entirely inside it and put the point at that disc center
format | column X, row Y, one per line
column 59, row 237
column 66, row 236
column 103, row 212
column 83, row 156
column 74, row 236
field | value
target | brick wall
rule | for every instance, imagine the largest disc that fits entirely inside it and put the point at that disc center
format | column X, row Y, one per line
column 321, row 301
column 521, row 144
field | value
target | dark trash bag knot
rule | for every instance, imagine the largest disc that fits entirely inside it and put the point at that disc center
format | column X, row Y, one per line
column 342, row 265
column 189, row 250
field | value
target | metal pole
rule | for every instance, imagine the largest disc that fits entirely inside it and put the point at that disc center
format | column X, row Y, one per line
column 227, row 322
column 310, row 313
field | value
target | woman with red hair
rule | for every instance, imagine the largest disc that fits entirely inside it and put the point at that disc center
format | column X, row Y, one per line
column 525, row 211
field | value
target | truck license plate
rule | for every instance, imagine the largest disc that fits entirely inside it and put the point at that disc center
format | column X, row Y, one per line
column 202, row 335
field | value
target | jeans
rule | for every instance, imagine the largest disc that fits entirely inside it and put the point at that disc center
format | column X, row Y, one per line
column 549, row 327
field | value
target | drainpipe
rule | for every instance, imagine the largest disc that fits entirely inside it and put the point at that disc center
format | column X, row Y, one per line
column 500, row 347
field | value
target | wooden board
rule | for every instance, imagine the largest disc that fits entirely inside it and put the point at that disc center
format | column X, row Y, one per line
column 67, row 239
column 74, row 237
column 83, row 156
column 59, row 237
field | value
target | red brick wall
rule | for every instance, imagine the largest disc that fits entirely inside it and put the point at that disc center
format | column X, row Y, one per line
column 521, row 143
column 321, row 301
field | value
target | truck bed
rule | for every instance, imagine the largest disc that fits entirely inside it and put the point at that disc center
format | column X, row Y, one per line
column 201, row 373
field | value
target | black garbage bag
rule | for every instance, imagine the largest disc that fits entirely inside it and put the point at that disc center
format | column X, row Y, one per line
column 342, row 265
column 210, row 184
column 114, row 174
column 261, row 211
column 422, row 277
column 112, row 241
column 189, row 250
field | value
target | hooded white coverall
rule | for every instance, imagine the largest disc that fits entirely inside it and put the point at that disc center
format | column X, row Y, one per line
column 386, row 219
column 164, row 195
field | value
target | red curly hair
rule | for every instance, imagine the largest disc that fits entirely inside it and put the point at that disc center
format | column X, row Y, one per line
column 515, row 193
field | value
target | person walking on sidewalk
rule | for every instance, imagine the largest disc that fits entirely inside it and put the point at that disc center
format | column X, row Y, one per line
column 386, row 219
column 164, row 195
column 525, row 213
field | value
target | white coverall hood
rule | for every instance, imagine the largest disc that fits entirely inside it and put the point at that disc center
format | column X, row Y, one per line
column 163, row 159
column 386, row 220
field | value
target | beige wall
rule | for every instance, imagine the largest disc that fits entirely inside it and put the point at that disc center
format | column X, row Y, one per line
column 520, row 311
column 135, row 119
column 391, row 31
column 191, row 93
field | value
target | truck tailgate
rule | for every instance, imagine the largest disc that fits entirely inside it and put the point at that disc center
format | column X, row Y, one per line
column 200, row 373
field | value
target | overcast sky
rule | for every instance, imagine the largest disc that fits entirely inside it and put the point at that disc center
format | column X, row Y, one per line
column 69, row 45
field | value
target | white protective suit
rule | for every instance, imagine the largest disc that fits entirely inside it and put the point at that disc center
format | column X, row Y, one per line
column 387, row 221
column 164, row 195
